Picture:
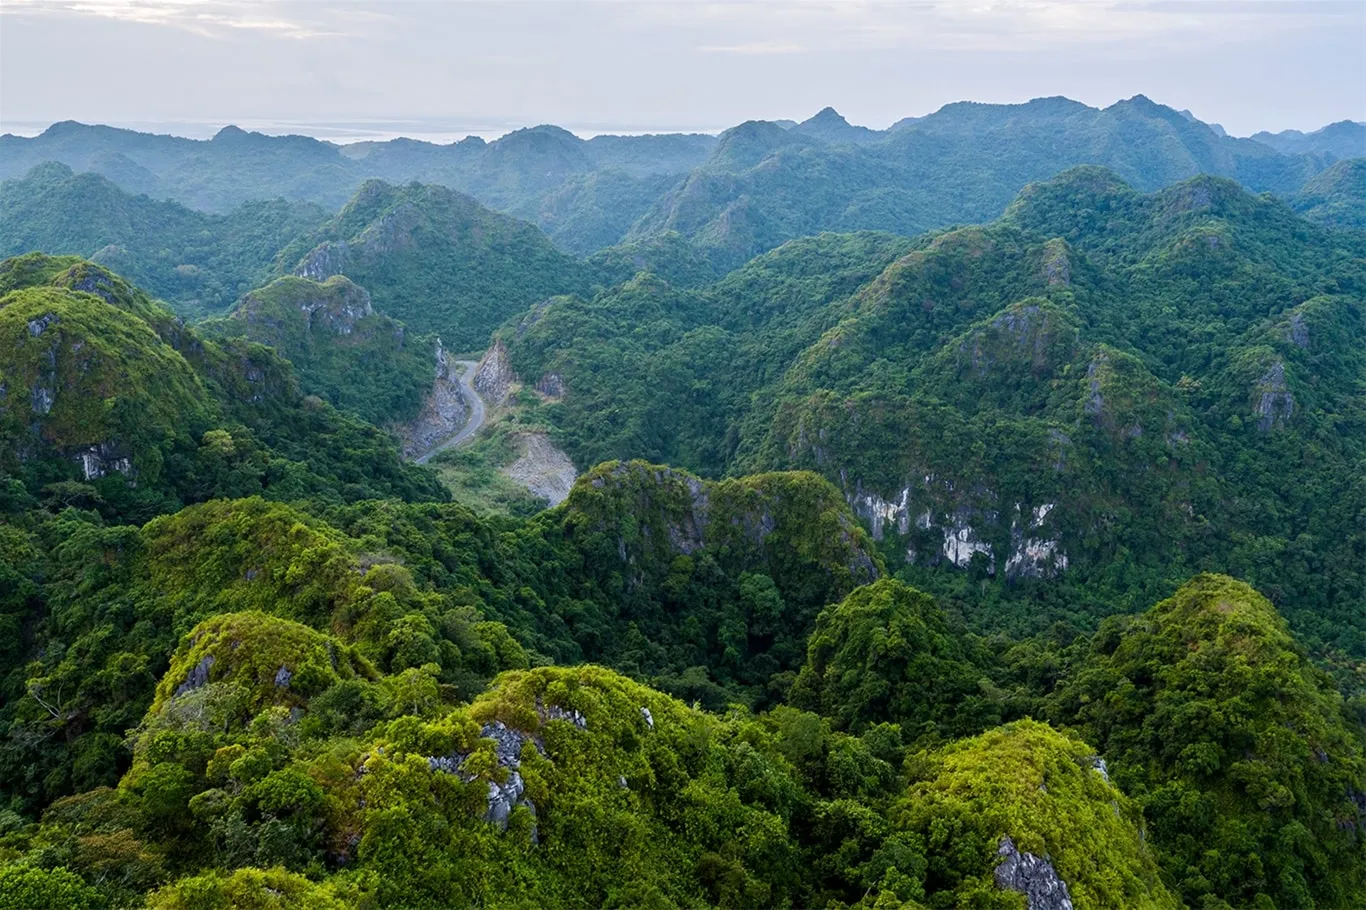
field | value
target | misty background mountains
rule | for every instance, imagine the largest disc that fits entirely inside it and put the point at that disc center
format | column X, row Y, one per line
column 734, row 195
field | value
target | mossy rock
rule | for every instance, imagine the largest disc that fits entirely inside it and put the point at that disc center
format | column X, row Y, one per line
column 272, row 661
column 1049, row 794
column 1249, row 770
column 85, row 374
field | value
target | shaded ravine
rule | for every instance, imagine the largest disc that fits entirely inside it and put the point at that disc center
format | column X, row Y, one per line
column 472, row 425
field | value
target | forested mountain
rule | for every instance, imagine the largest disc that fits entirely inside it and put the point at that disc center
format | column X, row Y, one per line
column 757, row 185
column 436, row 259
column 1018, row 565
column 330, row 333
column 1336, row 197
column 200, row 263
column 114, row 404
column 764, row 185
column 1106, row 388
column 1344, row 139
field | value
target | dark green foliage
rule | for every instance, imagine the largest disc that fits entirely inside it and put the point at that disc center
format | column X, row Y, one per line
column 886, row 654
column 248, row 658
column 1087, row 400
column 437, row 260
column 1247, row 768
column 331, row 335
column 1336, row 197
column 199, row 263
column 104, row 386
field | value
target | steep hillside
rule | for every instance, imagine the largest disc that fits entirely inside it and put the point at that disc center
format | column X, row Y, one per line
column 1344, row 139
column 1336, row 197
column 331, row 334
column 1191, row 703
column 112, row 402
column 1100, row 374
column 199, row 263
column 963, row 163
column 436, row 260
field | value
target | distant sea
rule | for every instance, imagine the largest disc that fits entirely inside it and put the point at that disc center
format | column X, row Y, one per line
column 344, row 132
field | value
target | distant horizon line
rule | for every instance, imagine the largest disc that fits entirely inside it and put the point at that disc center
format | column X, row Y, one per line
column 446, row 130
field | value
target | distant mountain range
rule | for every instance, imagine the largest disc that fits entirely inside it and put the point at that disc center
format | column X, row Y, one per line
column 734, row 195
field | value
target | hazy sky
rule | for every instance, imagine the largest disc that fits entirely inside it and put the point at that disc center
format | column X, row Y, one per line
column 669, row 64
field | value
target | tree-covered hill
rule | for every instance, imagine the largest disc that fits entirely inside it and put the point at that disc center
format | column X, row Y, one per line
column 1104, row 390
column 355, row 710
column 754, row 187
column 1011, row 566
column 1336, row 197
column 764, row 185
column 1344, row 139
column 112, row 403
column 331, row 334
column 199, row 263
column 436, row 259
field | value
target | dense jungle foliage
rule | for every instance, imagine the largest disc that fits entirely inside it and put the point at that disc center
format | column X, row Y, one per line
column 330, row 333
column 1011, row 566
column 1105, row 388
column 199, row 263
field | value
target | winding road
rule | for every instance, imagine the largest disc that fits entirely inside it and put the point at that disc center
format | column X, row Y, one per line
column 476, row 419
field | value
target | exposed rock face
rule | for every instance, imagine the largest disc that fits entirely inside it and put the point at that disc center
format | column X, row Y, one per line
column 1298, row 332
column 97, row 461
column 967, row 530
column 1032, row 876
column 1275, row 403
column 338, row 313
column 1033, row 556
column 37, row 326
column 508, row 743
column 444, row 411
column 493, row 377
column 323, row 261
column 543, row 469
column 1057, row 263
column 551, row 385
column 962, row 543
column 198, row 677
column 1095, row 402
column 1100, row 767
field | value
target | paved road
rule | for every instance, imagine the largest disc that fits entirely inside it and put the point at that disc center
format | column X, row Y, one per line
column 476, row 405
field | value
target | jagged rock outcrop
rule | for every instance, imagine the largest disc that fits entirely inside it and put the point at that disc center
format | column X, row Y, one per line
column 98, row 460
column 543, row 468
column 1057, row 263
column 494, row 377
column 338, row 313
column 444, row 410
column 1275, row 403
column 551, row 385
column 508, row 743
column 1033, row 876
column 323, row 261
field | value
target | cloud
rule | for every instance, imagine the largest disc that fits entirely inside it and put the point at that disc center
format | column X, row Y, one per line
column 208, row 18
column 1002, row 26
column 754, row 48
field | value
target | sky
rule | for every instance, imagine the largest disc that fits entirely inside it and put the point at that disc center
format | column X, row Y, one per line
column 445, row 68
